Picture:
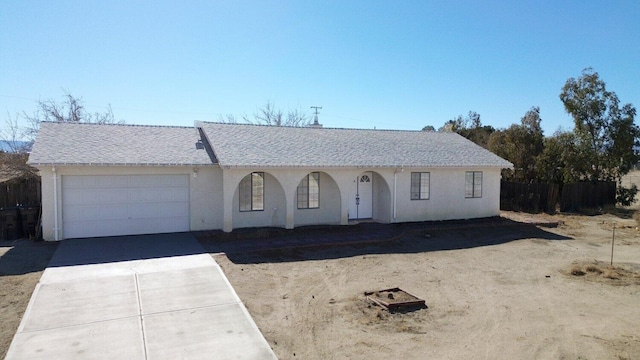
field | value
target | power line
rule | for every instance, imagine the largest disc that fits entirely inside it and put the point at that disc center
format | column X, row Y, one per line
column 315, row 115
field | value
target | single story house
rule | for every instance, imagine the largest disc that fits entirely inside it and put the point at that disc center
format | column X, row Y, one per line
column 106, row 180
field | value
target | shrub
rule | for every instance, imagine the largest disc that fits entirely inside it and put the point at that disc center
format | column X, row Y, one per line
column 626, row 196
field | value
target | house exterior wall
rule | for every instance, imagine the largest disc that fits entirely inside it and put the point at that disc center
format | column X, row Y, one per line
column 214, row 202
column 205, row 195
column 329, row 208
column 382, row 197
column 274, row 207
column 447, row 195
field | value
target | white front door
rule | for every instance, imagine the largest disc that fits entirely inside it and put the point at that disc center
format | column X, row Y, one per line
column 361, row 197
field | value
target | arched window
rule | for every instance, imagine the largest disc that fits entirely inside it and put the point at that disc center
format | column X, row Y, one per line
column 309, row 191
column 252, row 192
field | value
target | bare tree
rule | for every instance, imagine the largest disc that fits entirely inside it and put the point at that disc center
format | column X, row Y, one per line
column 13, row 163
column 297, row 118
column 12, row 135
column 71, row 109
column 19, row 139
column 271, row 116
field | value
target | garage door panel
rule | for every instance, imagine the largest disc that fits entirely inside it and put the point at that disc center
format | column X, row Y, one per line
column 94, row 196
column 159, row 210
column 124, row 204
column 88, row 212
column 159, row 194
column 105, row 196
column 73, row 181
column 143, row 181
column 79, row 229
column 113, row 212
column 174, row 195
column 74, row 198
column 78, row 213
column 121, row 227
column 113, row 181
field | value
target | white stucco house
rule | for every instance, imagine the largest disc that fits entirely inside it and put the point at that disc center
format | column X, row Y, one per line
column 106, row 180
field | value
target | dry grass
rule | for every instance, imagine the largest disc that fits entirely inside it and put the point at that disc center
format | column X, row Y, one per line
column 593, row 269
column 636, row 217
column 577, row 271
column 601, row 272
column 612, row 274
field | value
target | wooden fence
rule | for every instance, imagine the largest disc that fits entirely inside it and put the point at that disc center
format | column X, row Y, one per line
column 529, row 197
column 587, row 195
column 544, row 197
column 20, row 208
column 20, row 193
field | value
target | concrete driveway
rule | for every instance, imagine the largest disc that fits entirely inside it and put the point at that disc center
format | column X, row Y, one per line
column 136, row 297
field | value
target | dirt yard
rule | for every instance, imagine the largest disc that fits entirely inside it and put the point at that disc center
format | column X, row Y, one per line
column 21, row 265
column 509, row 292
column 514, row 291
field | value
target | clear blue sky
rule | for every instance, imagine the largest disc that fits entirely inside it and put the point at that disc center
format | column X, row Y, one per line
column 393, row 64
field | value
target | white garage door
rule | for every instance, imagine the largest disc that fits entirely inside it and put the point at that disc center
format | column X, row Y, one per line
column 124, row 205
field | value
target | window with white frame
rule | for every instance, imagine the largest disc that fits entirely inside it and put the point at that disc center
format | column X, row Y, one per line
column 309, row 191
column 473, row 184
column 420, row 185
column 251, row 192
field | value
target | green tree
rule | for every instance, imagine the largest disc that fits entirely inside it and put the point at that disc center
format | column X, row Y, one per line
column 521, row 145
column 605, row 132
column 560, row 159
column 470, row 127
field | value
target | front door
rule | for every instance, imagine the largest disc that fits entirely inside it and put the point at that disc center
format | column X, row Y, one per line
column 361, row 202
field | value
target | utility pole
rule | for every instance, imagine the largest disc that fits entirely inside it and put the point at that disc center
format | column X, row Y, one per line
column 315, row 115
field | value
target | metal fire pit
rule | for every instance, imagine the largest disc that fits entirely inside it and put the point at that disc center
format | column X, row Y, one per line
column 395, row 299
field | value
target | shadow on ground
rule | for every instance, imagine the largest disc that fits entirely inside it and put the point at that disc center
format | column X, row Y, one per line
column 124, row 248
column 364, row 239
column 24, row 256
column 272, row 245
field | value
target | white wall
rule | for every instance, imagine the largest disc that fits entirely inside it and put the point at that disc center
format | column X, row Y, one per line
column 382, row 198
column 211, row 209
column 206, row 199
column 205, row 210
column 447, row 195
column 329, row 205
column 274, row 207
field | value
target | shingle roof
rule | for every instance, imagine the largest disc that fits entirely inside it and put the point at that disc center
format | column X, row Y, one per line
column 80, row 143
column 240, row 145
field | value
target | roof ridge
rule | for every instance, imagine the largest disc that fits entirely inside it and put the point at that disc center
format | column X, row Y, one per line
column 316, row 128
column 116, row 124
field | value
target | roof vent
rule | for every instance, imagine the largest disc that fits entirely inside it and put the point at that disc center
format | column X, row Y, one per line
column 199, row 145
